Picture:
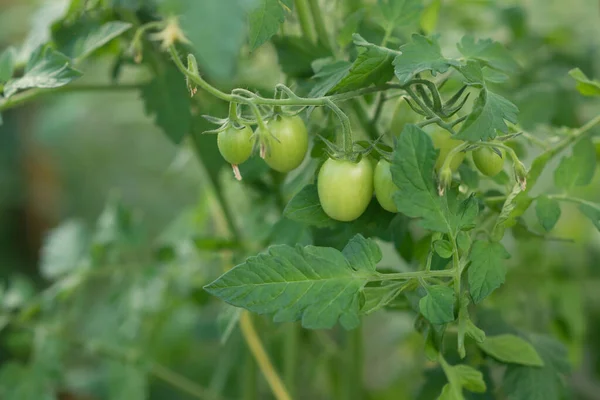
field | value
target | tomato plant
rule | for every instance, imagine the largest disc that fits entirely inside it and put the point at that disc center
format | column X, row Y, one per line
column 413, row 212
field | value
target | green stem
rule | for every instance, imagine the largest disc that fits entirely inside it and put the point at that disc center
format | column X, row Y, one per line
column 290, row 356
column 575, row 200
column 456, row 267
column 249, row 390
column 28, row 95
column 322, row 34
column 430, row 113
column 303, row 12
column 413, row 274
column 577, row 135
column 180, row 382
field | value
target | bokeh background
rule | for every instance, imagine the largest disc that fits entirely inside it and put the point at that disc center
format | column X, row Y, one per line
column 97, row 161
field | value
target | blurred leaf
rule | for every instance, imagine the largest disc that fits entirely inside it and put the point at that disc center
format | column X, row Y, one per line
column 438, row 304
column 430, row 16
column 350, row 26
column 372, row 66
column 47, row 68
column 19, row 290
column 63, row 249
column 468, row 176
column 315, row 284
column 305, row 207
column 7, row 64
column 80, row 40
column 548, row 212
column 585, row 86
column 537, row 105
column 511, row 349
column 489, row 113
column 296, row 55
column 265, row 19
column 224, row 21
column 487, row 271
column 489, row 52
column 18, row 382
column 395, row 13
column 579, row 168
column 167, row 98
column 592, row 211
column 126, row 382
column 328, row 76
column 291, row 233
column 215, row 244
column 227, row 321
column 420, row 55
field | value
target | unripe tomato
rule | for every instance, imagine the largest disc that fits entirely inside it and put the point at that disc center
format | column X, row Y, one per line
column 384, row 186
column 235, row 145
column 345, row 188
column 403, row 115
column 287, row 152
column 487, row 161
column 442, row 140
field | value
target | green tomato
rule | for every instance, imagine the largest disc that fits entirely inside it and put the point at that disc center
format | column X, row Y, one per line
column 442, row 140
column 345, row 188
column 384, row 186
column 235, row 145
column 288, row 143
column 403, row 115
column 488, row 162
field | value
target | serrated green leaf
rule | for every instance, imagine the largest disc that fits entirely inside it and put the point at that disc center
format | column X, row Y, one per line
column 47, row 68
column 372, row 66
column 265, row 19
column 511, row 349
column 377, row 297
column 548, row 212
column 63, row 249
column 305, row 207
column 489, row 113
column 579, row 168
column 412, row 171
column 80, row 40
column 328, row 76
column 362, row 254
column 487, row 271
column 489, row 52
column 470, row 378
column 592, row 211
column 421, row 54
column 315, row 284
column 438, row 304
column 7, row 64
column 166, row 97
column 585, row 86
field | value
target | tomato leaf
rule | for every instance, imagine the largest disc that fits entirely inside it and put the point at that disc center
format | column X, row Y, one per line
column 547, row 211
column 362, row 253
column 46, row 68
column 391, row 14
column 592, row 211
column 511, row 349
column 225, row 22
column 489, row 52
column 487, row 271
column 167, row 98
column 328, row 76
column 585, row 86
column 489, row 113
column 412, row 171
column 265, row 19
column 80, row 40
column 579, row 168
column 377, row 297
column 420, row 55
column 438, row 304
column 315, row 284
column 7, row 64
column 372, row 66
column 305, row 207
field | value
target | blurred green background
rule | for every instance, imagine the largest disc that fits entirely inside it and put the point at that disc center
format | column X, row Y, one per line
column 65, row 157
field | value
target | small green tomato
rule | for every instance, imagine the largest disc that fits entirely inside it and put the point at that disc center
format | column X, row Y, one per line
column 235, row 145
column 488, row 162
column 384, row 186
column 442, row 140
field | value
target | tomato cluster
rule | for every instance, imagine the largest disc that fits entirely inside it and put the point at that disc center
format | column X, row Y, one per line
column 286, row 143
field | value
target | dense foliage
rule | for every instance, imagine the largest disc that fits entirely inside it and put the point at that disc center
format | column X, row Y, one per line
column 383, row 214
